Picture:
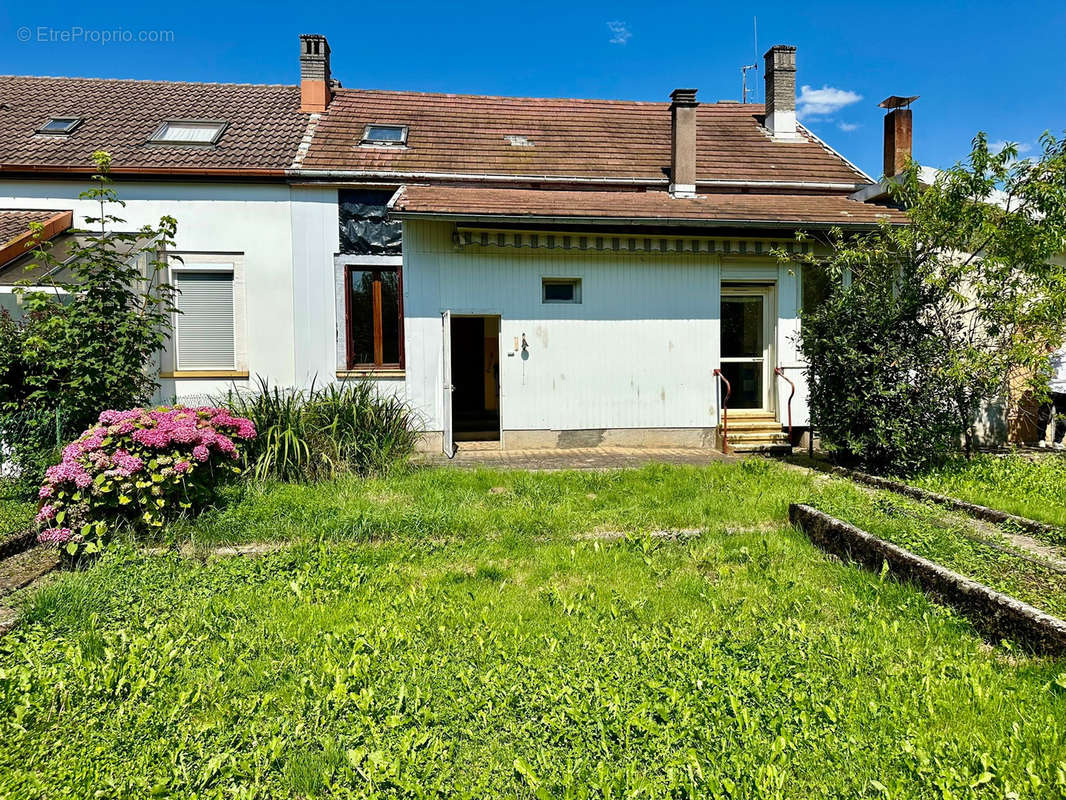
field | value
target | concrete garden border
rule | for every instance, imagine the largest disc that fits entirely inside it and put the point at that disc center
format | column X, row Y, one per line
column 16, row 543
column 994, row 613
column 972, row 509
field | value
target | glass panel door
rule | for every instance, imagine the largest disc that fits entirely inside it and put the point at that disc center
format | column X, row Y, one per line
column 745, row 347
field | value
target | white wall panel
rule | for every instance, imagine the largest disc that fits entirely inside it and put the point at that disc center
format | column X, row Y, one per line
column 253, row 219
column 638, row 352
column 315, row 240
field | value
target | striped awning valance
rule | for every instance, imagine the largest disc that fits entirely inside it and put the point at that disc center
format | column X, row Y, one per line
column 692, row 245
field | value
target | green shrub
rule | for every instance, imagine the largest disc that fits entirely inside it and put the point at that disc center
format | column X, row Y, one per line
column 877, row 396
column 86, row 341
column 325, row 431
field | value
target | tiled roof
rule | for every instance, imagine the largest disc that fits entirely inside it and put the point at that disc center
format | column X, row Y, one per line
column 532, row 204
column 463, row 134
column 15, row 223
column 264, row 130
column 15, row 229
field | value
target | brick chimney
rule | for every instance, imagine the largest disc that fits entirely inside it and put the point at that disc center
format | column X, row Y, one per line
column 780, row 79
column 315, row 91
column 897, row 133
column 683, row 142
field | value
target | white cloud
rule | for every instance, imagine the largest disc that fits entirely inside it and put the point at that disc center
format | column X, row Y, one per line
column 997, row 147
column 826, row 100
column 620, row 33
column 848, row 127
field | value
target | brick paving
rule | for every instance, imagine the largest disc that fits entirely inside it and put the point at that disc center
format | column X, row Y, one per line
column 480, row 454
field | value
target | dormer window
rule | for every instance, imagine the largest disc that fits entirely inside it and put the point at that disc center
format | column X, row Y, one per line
column 387, row 135
column 192, row 132
column 60, row 126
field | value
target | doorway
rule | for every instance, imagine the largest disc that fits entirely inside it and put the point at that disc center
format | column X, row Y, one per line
column 475, row 374
column 747, row 325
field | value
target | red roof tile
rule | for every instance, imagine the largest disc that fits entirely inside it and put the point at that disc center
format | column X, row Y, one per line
column 463, row 134
column 720, row 209
column 264, row 131
column 15, row 223
column 15, row 229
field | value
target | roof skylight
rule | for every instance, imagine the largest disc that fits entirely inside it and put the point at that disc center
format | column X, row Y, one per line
column 60, row 126
column 385, row 135
column 178, row 131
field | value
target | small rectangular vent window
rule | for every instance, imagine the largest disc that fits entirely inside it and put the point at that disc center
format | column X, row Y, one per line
column 188, row 132
column 385, row 134
column 60, row 126
column 561, row 290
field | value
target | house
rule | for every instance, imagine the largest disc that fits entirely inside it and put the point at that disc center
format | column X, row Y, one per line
column 537, row 272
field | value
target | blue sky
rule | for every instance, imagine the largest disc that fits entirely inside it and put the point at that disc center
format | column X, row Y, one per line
column 977, row 65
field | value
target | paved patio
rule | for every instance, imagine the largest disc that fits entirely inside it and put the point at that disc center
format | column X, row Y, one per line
column 488, row 454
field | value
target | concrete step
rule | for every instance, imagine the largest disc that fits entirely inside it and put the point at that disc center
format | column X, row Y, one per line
column 772, row 436
column 744, row 424
column 776, row 448
column 761, row 434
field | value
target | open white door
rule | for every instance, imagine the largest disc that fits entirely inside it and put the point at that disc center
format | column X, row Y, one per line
column 446, row 348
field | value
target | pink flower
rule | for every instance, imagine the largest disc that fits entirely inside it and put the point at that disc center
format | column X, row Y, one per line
column 54, row 535
column 46, row 513
column 126, row 463
column 45, row 492
column 200, row 452
column 182, row 466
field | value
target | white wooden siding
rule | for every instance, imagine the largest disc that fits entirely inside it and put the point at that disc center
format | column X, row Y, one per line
column 638, row 352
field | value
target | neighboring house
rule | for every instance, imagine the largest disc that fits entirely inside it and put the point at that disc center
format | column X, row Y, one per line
column 545, row 272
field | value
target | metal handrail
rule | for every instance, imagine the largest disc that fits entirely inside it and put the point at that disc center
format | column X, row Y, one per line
column 781, row 373
column 724, row 406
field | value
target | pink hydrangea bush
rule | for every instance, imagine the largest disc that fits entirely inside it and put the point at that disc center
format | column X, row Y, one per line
column 138, row 467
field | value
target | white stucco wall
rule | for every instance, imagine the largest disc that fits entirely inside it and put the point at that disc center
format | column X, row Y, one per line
column 637, row 352
column 315, row 241
column 255, row 221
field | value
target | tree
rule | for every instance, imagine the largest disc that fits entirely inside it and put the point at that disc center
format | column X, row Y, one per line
column 89, row 334
column 930, row 322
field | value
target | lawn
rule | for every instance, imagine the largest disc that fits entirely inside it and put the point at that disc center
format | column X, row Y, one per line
column 487, row 634
column 16, row 514
column 1029, row 488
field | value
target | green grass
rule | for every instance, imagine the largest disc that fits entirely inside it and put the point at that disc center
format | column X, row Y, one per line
column 427, row 637
column 15, row 514
column 1028, row 488
column 948, row 539
column 434, row 504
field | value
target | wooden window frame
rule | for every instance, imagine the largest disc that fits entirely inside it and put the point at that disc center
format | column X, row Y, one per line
column 379, row 346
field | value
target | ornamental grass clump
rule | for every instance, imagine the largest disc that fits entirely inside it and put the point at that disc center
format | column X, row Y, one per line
column 138, row 468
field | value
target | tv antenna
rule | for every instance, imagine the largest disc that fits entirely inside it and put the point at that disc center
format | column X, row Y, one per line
column 744, row 90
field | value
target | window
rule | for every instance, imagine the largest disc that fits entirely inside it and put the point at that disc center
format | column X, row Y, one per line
column 561, row 290
column 60, row 126
column 815, row 287
column 204, row 329
column 374, row 311
column 188, row 132
column 385, row 134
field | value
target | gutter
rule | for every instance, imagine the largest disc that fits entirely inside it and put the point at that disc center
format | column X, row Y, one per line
column 360, row 175
column 671, row 222
column 184, row 171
